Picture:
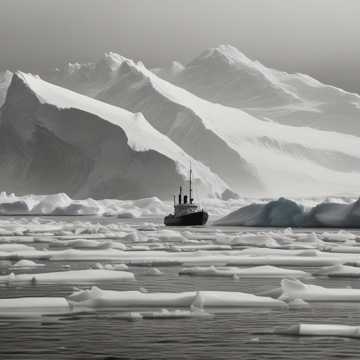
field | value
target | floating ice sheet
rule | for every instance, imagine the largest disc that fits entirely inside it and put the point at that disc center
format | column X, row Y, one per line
column 99, row 298
column 90, row 276
column 321, row 330
column 256, row 271
column 295, row 289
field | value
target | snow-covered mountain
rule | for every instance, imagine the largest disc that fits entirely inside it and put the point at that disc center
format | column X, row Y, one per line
column 171, row 72
column 126, row 87
column 226, row 76
column 173, row 112
column 251, row 144
column 88, row 78
column 252, row 155
column 53, row 139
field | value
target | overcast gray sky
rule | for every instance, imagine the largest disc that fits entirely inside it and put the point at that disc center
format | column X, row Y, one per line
column 319, row 37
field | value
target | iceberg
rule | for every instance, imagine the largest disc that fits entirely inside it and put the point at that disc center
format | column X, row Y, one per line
column 284, row 213
column 25, row 264
column 279, row 213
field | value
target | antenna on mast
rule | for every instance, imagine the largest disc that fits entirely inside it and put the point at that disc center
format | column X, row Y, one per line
column 190, row 189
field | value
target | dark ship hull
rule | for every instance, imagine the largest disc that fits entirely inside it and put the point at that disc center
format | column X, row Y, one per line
column 195, row 218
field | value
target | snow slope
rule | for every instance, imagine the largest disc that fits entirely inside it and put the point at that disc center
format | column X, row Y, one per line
column 55, row 140
column 252, row 155
column 227, row 76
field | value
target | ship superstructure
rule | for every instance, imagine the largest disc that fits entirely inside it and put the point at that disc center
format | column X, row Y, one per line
column 186, row 213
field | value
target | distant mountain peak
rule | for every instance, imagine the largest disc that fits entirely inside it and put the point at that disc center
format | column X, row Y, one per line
column 224, row 53
column 111, row 60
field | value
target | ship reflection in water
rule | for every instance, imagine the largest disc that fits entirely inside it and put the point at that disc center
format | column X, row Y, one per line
column 186, row 213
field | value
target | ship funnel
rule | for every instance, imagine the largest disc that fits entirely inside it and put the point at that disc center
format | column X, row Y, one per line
column 180, row 195
column 185, row 199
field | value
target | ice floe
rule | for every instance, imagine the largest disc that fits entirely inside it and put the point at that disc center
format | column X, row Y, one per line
column 90, row 276
column 176, row 314
column 98, row 298
column 111, row 266
column 256, row 271
column 321, row 330
column 31, row 306
column 25, row 264
column 295, row 289
column 338, row 271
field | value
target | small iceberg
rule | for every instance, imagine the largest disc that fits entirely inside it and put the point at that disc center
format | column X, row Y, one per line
column 25, row 265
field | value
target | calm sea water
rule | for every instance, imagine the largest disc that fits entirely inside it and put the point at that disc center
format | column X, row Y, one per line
column 243, row 335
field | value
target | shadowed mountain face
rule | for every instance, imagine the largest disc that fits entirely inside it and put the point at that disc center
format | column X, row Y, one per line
column 45, row 149
column 5, row 79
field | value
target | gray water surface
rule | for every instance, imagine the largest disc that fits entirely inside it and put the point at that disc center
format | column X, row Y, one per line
column 244, row 334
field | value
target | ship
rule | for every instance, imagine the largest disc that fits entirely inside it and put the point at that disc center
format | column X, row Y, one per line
column 186, row 212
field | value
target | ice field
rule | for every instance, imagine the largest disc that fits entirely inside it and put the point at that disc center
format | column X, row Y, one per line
column 138, row 288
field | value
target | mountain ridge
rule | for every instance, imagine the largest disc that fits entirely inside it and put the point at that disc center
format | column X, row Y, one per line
column 114, row 152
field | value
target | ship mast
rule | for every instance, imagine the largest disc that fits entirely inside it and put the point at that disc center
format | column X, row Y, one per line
column 190, row 189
